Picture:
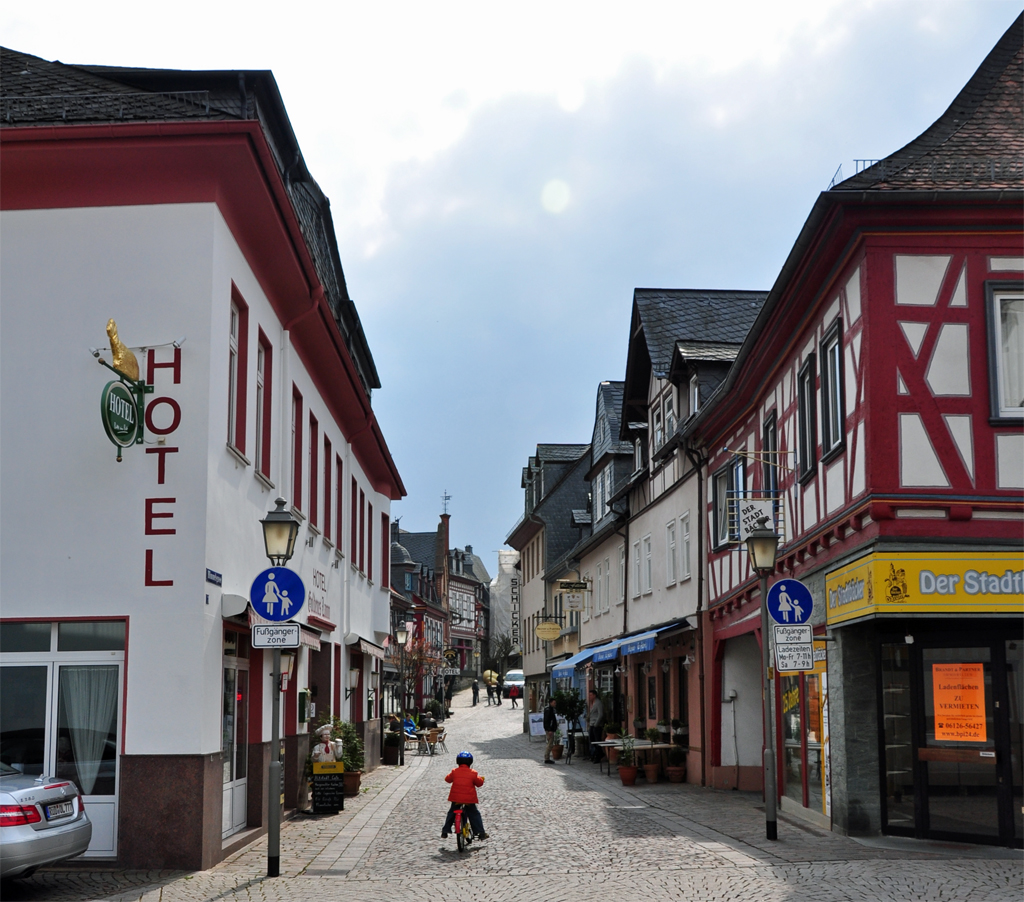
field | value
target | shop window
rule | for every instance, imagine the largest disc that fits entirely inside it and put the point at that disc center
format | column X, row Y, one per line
column 896, row 727
column 87, row 727
column 1005, row 309
column 806, row 419
column 832, row 414
column 15, row 637
column 90, row 635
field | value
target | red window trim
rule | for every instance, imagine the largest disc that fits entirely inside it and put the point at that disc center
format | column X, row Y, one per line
column 339, row 487
column 328, row 497
column 385, row 550
column 314, row 469
column 296, row 448
column 369, row 541
column 268, row 404
column 238, row 439
column 362, row 531
column 354, row 526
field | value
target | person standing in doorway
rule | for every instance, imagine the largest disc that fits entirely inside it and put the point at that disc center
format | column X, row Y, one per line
column 550, row 729
column 476, row 692
column 595, row 719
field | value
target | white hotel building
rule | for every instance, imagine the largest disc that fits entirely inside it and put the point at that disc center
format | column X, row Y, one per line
column 177, row 204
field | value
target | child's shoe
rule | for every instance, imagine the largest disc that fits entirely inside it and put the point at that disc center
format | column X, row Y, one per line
column 444, row 834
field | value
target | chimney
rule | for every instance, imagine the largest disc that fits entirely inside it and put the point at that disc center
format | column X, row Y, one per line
column 469, row 549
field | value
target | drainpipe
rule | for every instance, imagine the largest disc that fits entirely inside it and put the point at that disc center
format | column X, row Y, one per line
column 698, row 463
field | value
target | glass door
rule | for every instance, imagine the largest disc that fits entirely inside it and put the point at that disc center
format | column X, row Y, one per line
column 235, row 733
column 958, row 754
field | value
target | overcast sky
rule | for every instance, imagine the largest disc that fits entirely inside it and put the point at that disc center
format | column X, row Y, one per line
column 502, row 176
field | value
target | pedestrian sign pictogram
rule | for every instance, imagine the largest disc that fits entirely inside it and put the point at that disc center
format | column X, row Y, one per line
column 790, row 601
column 277, row 594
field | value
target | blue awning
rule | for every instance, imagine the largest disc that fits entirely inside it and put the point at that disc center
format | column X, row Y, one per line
column 607, row 652
column 565, row 668
column 637, row 644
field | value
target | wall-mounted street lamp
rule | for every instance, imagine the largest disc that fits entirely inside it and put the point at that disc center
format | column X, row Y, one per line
column 763, row 544
column 401, row 637
column 353, row 681
column 279, row 531
column 664, row 665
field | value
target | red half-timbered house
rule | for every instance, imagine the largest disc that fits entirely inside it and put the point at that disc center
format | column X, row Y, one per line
column 877, row 402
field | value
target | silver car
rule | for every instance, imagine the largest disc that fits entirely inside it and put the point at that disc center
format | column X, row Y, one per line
column 42, row 821
column 513, row 678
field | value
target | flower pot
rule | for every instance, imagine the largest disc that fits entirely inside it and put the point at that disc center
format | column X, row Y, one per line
column 389, row 755
column 556, row 751
column 675, row 774
column 612, row 753
column 651, row 772
column 352, row 779
column 627, row 774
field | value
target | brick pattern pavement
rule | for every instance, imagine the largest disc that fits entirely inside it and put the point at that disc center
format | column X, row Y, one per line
column 557, row 833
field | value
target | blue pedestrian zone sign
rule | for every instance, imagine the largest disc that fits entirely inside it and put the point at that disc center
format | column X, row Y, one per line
column 790, row 601
column 277, row 594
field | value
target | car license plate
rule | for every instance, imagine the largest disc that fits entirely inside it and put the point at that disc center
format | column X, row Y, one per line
column 59, row 809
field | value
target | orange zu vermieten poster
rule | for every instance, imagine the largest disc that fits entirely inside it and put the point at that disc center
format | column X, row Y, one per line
column 959, row 692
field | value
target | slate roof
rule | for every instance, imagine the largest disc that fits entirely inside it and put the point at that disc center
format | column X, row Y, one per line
column 475, row 567
column 978, row 143
column 37, row 92
column 556, row 508
column 672, row 314
column 609, row 403
column 561, row 452
column 421, row 546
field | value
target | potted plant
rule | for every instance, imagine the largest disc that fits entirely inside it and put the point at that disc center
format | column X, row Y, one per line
column 677, row 727
column 627, row 762
column 663, row 727
column 651, row 770
column 612, row 731
column 351, row 754
column 570, row 705
column 559, row 746
column 676, row 770
column 392, row 746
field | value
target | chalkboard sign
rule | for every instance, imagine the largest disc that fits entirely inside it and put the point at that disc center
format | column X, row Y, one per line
column 328, row 787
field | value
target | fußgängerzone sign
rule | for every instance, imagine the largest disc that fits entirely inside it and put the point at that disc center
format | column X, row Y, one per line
column 277, row 594
column 120, row 414
column 275, row 635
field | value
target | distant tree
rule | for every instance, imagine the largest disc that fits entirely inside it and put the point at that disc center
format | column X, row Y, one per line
column 499, row 653
column 421, row 659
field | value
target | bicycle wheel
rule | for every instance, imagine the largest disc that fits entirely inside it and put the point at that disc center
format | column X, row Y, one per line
column 460, row 837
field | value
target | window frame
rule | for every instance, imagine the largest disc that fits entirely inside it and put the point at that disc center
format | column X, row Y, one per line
column 264, row 403
column 807, row 425
column 770, row 456
column 598, row 588
column 297, row 428
column 238, row 360
column 314, row 471
column 832, row 398
column 693, row 394
column 669, row 406
column 636, row 569
column 671, row 575
column 622, row 574
column 721, row 481
column 684, row 545
column 995, row 291
column 648, row 564
column 339, row 513
column 328, row 488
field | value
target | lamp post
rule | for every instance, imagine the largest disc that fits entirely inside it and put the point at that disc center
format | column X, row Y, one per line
column 279, row 532
column 401, row 637
column 762, row 544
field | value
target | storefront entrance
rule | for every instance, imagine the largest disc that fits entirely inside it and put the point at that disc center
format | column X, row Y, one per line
column 951, row 711
column 60, row 711
column 235, row 732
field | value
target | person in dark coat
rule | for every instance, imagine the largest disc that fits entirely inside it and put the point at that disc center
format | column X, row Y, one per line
column 476, row 692
column 550, row 729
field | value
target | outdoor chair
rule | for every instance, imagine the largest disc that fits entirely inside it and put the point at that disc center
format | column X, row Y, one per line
column 440, row 741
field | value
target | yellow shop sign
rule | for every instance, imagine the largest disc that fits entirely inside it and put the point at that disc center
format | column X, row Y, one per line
column 921, row 583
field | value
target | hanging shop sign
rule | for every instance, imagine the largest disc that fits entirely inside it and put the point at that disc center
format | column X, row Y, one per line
column 572, row 601
column 122, row 402
column 921, row 583
column 959, row 694
column 548, row 630
column 513, row 595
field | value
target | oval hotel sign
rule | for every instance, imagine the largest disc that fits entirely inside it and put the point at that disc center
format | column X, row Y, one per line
column 119, row 413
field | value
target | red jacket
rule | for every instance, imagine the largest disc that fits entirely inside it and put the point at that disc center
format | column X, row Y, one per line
column 464, row 782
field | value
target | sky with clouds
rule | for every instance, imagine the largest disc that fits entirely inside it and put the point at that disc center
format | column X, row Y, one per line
column 502, row 177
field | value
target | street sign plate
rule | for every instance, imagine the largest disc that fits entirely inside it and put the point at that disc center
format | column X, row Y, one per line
column 790, row 601
column 569, row 586
column 277, row 594
column 275, row 635
column 792, row 635
column 789, row 658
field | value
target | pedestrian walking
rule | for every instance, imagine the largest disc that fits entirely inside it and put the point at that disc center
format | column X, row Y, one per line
column 550, row 729
column 500, row 688
column 476, row 692
column 595, row 719
column 490, row 693
column 513, row 694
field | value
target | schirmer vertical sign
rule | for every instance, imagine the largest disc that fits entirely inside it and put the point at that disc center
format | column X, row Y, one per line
column 514, row 610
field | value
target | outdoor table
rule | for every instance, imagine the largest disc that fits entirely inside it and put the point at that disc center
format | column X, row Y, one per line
column 639, row 745
column 424, row 746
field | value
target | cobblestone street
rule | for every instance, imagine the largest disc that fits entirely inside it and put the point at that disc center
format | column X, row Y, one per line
column 557, row 833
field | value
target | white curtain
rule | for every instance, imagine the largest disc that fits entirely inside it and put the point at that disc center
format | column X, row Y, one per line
column 1012, row 328
column 89, row 694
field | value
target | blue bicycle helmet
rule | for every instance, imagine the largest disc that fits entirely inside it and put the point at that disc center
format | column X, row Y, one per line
column 464, row 758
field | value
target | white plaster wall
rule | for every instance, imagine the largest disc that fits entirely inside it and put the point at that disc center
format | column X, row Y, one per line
column 602, row 627
column 71, row 539
column 741, row 671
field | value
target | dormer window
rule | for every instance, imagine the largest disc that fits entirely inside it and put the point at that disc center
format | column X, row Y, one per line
column 694, row 394
column 670, row 415
column 659, row 431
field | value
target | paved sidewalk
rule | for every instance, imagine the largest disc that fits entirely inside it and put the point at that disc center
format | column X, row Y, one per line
column 557, row 833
